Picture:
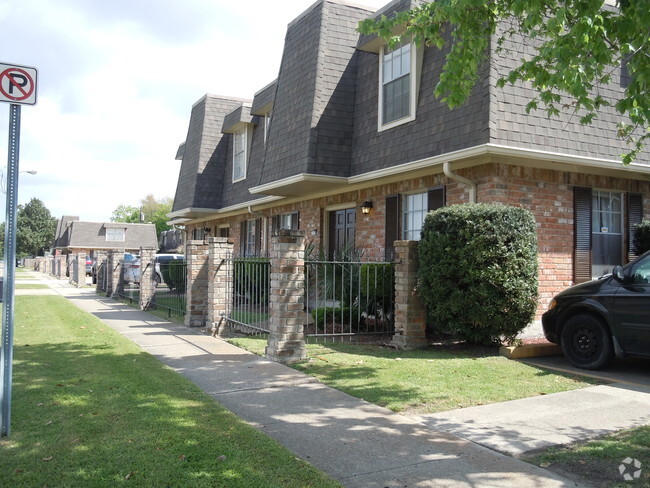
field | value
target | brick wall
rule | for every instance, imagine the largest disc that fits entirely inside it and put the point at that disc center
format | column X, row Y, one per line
column 547, row 193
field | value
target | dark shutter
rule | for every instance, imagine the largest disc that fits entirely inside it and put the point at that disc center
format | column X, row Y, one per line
column 258, row 237
column 242, row 239
column 634, row 217
column 275, row 223
column 392, row 232
column 295, row 221
column 437, row 198
column 582, row 234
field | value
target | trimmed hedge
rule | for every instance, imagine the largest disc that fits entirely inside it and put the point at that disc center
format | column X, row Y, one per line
column 641, row 239
column 174, row 274
column 478, row 270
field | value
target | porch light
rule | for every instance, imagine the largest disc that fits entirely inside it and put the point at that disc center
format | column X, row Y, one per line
column 365, row 207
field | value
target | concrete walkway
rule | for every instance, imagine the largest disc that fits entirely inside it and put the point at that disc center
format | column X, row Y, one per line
column 360, row 444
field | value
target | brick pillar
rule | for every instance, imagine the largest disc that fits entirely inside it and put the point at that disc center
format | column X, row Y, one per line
column 147, row 265
column 78, row 272
column 101, row 260
column 286, row 342
column 410, row 314
column 115, row 281
column 219, row 250
column 196, row 311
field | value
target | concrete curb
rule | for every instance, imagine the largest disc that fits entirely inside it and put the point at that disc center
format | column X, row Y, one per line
column 530, row 350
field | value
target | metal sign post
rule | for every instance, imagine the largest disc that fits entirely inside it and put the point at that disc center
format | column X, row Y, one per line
column 10, row 270
column 17, row 86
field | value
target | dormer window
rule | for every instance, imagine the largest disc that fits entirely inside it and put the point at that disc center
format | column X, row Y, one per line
column 239, row 154
column 114, row 235
column 397, row 85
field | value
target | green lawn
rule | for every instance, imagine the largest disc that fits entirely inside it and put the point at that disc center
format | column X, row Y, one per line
column 30, row 286
column 91, row 409
column 424, row 381
column 598, row 461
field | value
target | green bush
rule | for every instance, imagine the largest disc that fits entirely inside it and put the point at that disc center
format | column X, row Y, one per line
column 174, row 274
column 252, row 279
column 377, row 289
column 641, row 239
column 334, row 315
column 478, row 270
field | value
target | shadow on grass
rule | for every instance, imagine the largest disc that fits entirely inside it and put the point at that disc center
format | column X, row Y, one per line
column 91, row 416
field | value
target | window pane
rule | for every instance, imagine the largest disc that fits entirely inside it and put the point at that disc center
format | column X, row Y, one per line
column 415, row 209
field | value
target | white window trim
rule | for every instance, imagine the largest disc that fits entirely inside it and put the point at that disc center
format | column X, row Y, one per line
column 246, row 129
column 404, row 212
column 114, row 230
column 416, row 70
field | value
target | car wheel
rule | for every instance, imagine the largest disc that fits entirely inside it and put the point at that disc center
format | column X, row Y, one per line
column 586, row 342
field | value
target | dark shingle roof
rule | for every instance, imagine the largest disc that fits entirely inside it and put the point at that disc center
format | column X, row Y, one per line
column 263, row 99
column 201, row 174
column 92, row 235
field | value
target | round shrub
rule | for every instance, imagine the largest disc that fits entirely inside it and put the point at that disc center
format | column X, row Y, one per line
column 641, row 239
column 175, row 274
column 478, row 270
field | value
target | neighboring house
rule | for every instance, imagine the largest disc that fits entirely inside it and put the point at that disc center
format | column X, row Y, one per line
column 74, row 236
column 348, row 121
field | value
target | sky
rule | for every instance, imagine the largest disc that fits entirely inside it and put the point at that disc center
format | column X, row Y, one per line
column 116, row 83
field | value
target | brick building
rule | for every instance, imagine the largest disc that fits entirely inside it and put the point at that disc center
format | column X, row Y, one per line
column 348, row 122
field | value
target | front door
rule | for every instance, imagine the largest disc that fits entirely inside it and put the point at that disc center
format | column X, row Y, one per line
column 342, row 223
column 607, row 231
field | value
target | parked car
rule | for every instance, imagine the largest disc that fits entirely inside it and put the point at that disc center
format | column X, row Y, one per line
column 133, row 272
column 89, row 266
column 603, row 318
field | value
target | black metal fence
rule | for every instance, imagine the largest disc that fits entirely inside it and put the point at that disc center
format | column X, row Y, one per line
column 170, row 280
column 127, row 289
column 248, row 293
column 345, row 299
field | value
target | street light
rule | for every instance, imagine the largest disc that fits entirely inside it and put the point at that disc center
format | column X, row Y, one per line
column 3, row 179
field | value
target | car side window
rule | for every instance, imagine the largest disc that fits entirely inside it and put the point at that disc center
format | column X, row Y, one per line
column 641, row 272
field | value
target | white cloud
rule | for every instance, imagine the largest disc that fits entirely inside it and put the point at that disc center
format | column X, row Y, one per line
column 117, row 81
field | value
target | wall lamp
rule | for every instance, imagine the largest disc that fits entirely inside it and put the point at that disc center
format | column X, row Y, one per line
column 365, row 207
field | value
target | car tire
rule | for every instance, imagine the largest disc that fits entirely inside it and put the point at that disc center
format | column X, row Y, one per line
column 587, row 342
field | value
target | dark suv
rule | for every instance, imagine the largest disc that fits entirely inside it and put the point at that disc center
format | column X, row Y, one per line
column 609, row 316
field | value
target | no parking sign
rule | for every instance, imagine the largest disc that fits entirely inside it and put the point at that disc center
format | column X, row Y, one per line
column 18, row 84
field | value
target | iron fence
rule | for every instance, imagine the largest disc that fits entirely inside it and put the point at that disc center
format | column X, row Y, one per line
column 247, row 293
column 170, row 289
column 345, row 299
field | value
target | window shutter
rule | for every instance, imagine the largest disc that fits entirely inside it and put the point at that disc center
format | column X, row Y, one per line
column 634, row 217
column 275, row 223
column 392, row 233
column 582, row 234
column 437, row 198
column 242, row 238
column 295, row 221
column 258, row 237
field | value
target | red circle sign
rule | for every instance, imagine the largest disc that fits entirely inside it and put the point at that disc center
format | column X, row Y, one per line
column 19, row 81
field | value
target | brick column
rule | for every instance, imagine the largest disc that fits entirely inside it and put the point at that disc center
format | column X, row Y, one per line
column 115, row 281
column 78, row 272
column 101, row 260
column 147, row 265
column 219, row 250
column 196, row 311
column 410, row 314
column 286, row 342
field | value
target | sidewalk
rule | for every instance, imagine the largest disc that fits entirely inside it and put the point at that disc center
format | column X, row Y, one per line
column 358, row 443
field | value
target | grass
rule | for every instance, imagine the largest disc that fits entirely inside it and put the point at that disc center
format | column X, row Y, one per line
column 30, row 286
column 598, row 461
column 91, row 409
column 424, row 381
